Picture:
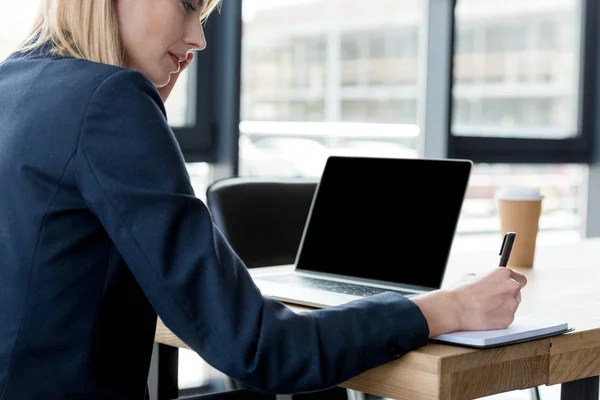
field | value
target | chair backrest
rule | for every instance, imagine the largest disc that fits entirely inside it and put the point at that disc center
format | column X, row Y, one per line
column 262, row 218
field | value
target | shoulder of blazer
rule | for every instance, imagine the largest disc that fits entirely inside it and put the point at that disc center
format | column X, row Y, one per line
column 92, row 73
column 83, row 81
column 88, row 76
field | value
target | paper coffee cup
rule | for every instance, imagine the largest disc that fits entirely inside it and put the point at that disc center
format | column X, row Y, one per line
column 520, row 209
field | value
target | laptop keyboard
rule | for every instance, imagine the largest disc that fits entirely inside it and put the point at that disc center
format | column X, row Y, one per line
column 331, row 286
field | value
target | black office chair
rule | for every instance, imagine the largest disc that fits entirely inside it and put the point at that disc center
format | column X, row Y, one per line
column 263, row 221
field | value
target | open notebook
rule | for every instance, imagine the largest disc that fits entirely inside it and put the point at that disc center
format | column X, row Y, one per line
column 521, row 330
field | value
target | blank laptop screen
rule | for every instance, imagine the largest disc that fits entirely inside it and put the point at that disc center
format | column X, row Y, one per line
column 385, row 219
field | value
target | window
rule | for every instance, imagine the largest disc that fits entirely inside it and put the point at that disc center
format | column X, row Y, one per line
column 515, row 76
column 346, row 83
column 516, row 69
column 516, row 99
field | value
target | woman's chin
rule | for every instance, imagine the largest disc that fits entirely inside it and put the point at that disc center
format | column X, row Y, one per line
column 162, row 81
column 159, row 78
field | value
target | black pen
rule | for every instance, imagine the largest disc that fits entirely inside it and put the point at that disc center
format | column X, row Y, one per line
column 506, row 248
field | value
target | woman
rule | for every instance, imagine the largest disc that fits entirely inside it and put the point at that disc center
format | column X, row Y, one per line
column 100, row 230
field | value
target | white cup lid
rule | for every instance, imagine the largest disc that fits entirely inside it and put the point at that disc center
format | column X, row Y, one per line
column 519, row 193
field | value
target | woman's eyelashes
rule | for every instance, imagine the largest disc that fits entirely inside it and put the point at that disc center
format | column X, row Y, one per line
column 189, row 8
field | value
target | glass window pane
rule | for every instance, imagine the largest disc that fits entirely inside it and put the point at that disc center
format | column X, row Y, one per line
column 200, row 177
column 193, row 371
column 178, row 111
column 516, row 68
column 346, row 83
column 16, row 20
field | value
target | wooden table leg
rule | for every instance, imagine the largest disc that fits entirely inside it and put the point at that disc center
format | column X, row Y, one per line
column 583, row 389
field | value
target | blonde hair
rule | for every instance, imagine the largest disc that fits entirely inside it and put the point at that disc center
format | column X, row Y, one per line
column 86, row 29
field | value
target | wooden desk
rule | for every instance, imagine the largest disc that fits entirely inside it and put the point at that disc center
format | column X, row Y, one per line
column 564, row 284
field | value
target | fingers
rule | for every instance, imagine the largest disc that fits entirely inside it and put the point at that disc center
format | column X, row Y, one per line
column 507, row 273
column 510, row 317
column 518, row 277
column 512, row 282
column 514, row 291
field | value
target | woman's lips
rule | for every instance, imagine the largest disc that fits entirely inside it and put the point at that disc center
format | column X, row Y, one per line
column 175, row 61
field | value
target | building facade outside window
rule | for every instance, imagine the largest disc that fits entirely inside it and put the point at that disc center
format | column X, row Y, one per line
column 348, row 83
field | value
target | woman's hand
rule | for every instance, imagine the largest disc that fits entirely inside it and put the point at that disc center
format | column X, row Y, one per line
column 481, row 303
column 489, row 302
column 165, row 91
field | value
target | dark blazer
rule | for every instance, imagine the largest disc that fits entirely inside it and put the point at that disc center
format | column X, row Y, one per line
column 100, row 231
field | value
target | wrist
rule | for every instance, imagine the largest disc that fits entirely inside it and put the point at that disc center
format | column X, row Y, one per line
column 441, row 311
column 457, row 311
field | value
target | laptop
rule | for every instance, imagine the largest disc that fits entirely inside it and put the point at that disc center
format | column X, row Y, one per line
column 375, row 225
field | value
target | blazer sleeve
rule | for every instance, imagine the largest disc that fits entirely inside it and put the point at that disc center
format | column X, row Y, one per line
column 132, row 175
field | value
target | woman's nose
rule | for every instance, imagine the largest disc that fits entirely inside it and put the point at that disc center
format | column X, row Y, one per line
column 195, row 38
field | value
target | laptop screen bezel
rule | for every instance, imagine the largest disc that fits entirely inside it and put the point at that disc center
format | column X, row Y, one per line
column 306, row 271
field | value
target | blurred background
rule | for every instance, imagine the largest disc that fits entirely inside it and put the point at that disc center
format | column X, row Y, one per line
column 348, row 83
column 305, row 79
